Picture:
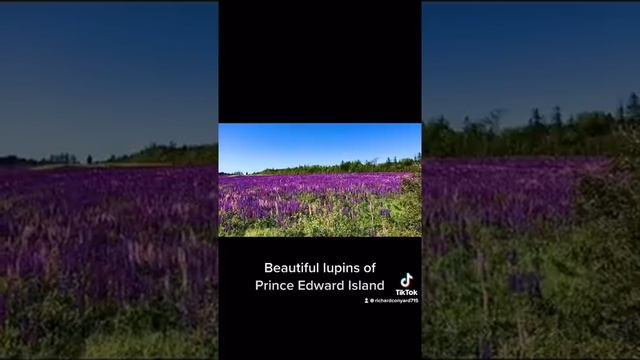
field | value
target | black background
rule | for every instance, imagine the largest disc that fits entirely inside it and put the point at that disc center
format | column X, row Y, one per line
column 317, row 324
column 320, row 61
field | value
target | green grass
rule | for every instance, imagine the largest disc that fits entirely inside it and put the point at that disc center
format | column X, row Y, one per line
column 46, row 323
column 148, row 345
column 589, row 304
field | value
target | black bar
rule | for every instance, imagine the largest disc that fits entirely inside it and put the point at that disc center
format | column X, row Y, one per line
column 283, row 62
column 318, row 324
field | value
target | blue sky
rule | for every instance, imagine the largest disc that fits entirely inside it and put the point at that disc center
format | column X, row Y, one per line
column 109, row 78
column 255, row 147
column 106, row 78
column 476, row 57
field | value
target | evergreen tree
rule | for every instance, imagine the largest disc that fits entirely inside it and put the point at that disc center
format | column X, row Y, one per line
column 536, row 118
column 633, row 107
column 467, row 122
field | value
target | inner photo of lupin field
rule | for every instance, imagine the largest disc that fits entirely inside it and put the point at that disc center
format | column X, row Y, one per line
column 320, row 180
column 531, row 178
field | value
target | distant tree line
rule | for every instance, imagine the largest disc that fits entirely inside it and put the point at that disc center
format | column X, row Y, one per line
column 158, row 154
column 588, row 133
column 13, row 160
column 63, row 158
column 390, row 165
column 171, row 154
column 55, row 159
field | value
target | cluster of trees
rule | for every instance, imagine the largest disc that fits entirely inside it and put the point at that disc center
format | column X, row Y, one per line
column 172, row 154
column 63, row 158
column 15, row 161
column 390, row 165
column 588, row 133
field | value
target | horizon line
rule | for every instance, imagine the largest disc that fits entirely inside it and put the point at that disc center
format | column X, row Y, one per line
column 375, row 161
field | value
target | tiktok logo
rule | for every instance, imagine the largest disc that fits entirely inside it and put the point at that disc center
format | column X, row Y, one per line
column 406, row 281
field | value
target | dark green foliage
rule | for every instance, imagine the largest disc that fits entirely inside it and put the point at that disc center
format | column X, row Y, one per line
column 633, row 107
column 407, row 208
column 150, row 345
column 62, row 158
column 42, row 322
column 13, row 160
column 45, row 322
column 591, row 133
column 41, row 319
column 172, row 154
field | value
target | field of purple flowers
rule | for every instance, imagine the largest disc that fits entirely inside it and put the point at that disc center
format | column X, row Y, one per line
column 88, row 253
column 350, row 204
column 517, row 195
column 530, row 258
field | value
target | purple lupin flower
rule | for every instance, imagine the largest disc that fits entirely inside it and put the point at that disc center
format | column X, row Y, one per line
column 487, row 350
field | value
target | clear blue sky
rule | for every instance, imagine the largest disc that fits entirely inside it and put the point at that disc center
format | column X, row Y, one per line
column 106, row 78
column 476, row 57
column 255, row 147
